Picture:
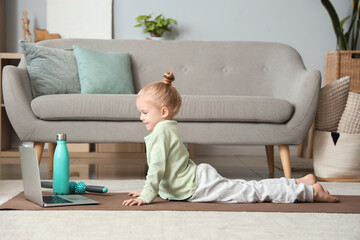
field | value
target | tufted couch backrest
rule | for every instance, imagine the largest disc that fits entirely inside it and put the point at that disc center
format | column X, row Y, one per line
column 204, row 67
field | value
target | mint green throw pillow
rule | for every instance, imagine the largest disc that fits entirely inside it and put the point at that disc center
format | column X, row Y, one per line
column 51, row 70
column 103, row 72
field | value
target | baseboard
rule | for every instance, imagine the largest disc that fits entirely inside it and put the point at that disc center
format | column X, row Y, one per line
column 230, row 150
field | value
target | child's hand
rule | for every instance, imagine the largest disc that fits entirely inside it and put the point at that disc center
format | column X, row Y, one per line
column 133, row 202
column 134, row 193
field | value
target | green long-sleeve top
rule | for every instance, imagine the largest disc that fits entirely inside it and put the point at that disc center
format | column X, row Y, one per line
column 171, row 173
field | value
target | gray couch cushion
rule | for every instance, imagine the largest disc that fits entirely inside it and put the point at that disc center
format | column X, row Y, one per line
column 95, row 107
column 114, row 107
column 224, row 108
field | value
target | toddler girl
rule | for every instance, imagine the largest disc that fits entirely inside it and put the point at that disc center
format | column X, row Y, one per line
column 174, row 176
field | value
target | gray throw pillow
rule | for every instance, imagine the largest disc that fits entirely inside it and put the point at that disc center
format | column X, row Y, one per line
column 51, row 70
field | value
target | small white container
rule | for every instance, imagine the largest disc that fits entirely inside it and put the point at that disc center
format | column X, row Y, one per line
column 340, row 161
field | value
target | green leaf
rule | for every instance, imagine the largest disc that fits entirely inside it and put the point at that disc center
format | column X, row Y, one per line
column 354, row 14
column 354, row 26
column 141, row 18
column 157, row 18
column 138, row 25
column 152, row 27
column 342, row 28
column 172, row 21
column 341, row 40
column 356, row 37
column 343, row 21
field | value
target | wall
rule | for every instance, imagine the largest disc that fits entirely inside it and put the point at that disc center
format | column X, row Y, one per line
column 2, row 25
column 305, row 24
column 36, row 10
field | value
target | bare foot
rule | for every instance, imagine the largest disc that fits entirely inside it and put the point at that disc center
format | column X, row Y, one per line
column 321, row 195
column 309, row 179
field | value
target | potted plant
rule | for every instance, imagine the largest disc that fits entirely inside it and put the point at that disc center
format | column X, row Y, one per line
column 348, row 40
column 155, row 27
column 346, row 60
column 336, row 138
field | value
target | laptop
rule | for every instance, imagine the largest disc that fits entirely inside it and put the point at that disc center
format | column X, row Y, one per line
column 32, row 185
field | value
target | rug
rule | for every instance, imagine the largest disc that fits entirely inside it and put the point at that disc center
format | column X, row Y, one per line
column 113, row 202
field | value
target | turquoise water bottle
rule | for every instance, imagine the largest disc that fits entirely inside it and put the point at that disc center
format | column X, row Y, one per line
column 61, row 166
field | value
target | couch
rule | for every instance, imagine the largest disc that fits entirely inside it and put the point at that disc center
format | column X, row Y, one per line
column 238, row 93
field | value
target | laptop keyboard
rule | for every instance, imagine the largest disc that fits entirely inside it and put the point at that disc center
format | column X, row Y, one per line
column 55, row 199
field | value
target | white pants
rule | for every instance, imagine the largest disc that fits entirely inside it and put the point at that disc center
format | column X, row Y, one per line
column 212, row 187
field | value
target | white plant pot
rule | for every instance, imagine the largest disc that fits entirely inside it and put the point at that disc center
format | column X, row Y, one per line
column 340, row 161
column 157, row 38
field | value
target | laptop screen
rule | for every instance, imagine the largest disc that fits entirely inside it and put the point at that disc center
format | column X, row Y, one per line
column 31, row 175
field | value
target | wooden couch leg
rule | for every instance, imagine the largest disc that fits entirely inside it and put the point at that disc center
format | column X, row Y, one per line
column 39, row 146
column 192, row 151
column 285, row 159
column 300, row 149
column 52, row 147
column 309, row 153
column 270, row 159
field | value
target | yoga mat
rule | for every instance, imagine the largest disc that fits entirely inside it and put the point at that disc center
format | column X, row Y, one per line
column 113, row 201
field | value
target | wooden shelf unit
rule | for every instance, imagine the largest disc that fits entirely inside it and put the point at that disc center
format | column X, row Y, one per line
column 7, row 131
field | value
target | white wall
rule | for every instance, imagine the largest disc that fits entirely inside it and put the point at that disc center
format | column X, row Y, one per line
column 36, row 10
column 303, row 24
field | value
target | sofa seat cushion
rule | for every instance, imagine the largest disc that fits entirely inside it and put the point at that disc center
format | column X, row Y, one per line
column 224, row 108
column 195, row 108
column 97, row 107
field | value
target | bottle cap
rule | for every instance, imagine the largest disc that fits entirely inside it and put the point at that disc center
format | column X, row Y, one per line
column 61, row 136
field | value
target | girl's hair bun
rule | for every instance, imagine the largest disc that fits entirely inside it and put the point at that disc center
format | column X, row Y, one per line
column 168, row 78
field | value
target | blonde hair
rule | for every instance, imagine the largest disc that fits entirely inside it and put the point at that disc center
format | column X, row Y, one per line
column 164, row 93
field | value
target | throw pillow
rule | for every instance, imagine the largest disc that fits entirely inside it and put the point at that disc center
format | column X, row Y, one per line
column 51, row 70
column 331, row 104
column 104, row 72
column 350, row 119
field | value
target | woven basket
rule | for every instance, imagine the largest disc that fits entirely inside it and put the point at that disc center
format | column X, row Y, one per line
column 343, row 63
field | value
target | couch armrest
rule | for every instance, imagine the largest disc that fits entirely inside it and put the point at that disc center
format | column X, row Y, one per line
column 17, row 98
column 304, row 95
